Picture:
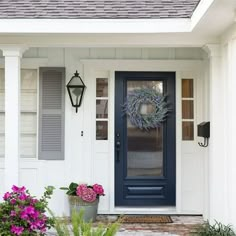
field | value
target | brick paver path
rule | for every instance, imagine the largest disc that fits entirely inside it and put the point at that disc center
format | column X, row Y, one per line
column 181, row 226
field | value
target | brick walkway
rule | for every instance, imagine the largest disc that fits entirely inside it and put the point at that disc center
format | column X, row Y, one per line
column 181, row 226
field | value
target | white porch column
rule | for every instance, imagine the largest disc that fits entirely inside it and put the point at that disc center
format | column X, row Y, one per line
column 231, row 131
column 12, row 115
column 217, row 159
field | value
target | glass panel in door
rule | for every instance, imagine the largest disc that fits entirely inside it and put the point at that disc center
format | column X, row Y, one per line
column 144, row 148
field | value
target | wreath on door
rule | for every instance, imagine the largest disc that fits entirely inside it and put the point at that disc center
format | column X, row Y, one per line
column 148, row 120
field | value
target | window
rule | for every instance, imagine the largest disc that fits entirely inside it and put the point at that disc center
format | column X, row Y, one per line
column 28, row 117
column 101, row 109
column 187, row 109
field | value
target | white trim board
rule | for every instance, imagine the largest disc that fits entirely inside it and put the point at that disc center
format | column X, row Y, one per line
column 29, row 63
column 144, row 65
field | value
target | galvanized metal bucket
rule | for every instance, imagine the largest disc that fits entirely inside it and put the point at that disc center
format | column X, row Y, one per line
column 90, row 208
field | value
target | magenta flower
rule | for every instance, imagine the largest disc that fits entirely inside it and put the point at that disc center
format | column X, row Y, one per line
column 24, row 215
column 29, row 210
column 88, row 195
column 23, row 197
column 13, row 201
column 98, row 189
column 18, row 189
column 17, row 230
column 6, row 196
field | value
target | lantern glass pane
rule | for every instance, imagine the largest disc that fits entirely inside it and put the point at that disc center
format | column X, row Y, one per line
column 76, row 95
column 76, row 81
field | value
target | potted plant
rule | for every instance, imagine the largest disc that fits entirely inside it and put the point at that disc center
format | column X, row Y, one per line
column 84, row 197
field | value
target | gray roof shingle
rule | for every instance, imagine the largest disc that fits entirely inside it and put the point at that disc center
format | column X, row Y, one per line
column 96, row 9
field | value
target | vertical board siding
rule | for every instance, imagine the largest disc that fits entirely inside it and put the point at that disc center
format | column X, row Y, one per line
column 51, row 113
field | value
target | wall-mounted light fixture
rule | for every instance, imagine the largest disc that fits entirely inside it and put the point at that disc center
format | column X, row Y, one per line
column 76, row 88
column 203, row 130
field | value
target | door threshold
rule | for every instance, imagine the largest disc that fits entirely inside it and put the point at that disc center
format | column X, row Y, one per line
column 145, row 210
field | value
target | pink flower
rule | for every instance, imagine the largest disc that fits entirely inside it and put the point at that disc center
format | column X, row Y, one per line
column 29, row 210
column 23, row 197
column 98, row 189
column 18, row 189
column 88, row 195
column 17, row 230
column 13, row 213
column 24, row 215
column 6, row 196
column 80, row 189
column 13, row 201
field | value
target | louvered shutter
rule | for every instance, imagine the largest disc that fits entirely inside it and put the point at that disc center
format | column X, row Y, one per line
column 51, row 113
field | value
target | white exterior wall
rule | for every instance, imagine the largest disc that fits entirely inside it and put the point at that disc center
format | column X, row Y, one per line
column 87, row 160
column 222, row 161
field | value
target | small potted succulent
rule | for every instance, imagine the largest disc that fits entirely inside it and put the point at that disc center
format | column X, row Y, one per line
column 84, row 197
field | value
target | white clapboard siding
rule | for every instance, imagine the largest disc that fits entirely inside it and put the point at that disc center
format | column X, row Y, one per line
column 51, row 113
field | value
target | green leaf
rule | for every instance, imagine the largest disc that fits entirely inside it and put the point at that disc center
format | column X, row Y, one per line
column 64, row 188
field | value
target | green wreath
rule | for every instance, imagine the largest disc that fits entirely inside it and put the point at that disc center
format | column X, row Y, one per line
column 137, row 98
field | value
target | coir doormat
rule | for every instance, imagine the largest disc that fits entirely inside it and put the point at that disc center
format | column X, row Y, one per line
column 129, row 219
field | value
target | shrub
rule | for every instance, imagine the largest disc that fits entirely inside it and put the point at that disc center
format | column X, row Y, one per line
column 218, row 229
column 23, row 214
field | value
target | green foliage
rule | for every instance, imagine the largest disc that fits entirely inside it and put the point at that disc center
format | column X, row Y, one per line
column 82, row 228
column 71, row 190
column 218, row 229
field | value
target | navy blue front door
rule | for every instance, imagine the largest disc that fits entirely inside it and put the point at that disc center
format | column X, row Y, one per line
column 145, row 161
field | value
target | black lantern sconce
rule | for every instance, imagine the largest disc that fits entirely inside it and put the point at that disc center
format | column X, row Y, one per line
column 76, row 88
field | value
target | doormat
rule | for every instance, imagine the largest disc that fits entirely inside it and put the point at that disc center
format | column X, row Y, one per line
column 132, row 219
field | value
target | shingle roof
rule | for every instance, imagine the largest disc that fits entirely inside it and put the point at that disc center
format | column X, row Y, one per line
column 96, row 9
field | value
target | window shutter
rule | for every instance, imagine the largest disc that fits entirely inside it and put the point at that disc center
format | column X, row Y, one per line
column 51, row 113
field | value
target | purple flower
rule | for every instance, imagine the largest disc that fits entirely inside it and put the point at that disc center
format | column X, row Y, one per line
column 17, row 230
column 18, row 189
column 24, row 215
column 6, row 196
column 29, row 210
column 13, row 201
column 23, row 197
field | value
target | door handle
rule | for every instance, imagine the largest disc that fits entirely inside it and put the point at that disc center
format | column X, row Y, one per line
column 118, row 144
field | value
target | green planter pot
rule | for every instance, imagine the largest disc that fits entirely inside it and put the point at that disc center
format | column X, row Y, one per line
column 90, row 208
